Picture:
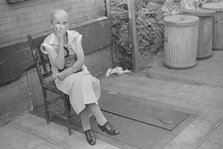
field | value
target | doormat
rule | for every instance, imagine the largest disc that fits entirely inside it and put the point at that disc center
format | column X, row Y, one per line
column 141, row 110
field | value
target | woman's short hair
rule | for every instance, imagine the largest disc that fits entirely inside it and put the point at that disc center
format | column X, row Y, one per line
column 56, row 12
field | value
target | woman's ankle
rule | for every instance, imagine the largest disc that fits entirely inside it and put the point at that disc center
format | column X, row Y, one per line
column 102, row 123
column 86, row 128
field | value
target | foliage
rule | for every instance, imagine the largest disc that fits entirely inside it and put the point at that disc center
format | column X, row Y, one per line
column 149, row 23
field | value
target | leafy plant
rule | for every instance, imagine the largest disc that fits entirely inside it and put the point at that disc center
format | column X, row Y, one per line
column 149, row 23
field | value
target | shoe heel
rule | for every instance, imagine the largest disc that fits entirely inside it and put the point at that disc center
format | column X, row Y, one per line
column 101, row 128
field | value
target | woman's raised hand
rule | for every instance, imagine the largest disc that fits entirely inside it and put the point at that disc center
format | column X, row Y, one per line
column 59, row 32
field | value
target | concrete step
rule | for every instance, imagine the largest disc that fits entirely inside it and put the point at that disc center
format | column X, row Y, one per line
column 174, row 93
column 206, row 72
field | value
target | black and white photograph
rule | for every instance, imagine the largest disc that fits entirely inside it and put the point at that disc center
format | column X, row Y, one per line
column 111, row 74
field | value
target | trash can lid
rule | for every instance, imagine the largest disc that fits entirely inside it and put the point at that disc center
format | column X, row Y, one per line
column 181, row 20
column 217, row 6
column 199, row 12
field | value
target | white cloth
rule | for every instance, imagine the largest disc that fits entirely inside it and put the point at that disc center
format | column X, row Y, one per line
column 82, row 87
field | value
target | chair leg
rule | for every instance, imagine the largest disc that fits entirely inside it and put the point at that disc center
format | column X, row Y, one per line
column 67, row 112
column 46, row 107
column 46, row 111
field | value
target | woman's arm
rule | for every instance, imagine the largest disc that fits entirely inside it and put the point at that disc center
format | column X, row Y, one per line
column 58, row 61
column 79, row 53
column 56, row 58
column 80, row 59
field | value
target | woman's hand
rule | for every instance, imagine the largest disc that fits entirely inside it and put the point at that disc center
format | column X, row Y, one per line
column 65, row 73
column 62, row 76
column 59, row 32
column 55, row 76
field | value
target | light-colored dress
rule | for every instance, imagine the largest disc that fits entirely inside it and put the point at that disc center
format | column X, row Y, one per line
column 82, row 87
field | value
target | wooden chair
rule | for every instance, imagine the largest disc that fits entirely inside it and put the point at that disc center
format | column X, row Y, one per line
column 43, row 68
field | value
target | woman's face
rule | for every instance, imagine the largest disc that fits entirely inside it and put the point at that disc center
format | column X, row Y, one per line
column 60, row 19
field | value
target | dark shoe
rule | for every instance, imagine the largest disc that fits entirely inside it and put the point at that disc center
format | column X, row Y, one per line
column 90, row 137
column 109, row 129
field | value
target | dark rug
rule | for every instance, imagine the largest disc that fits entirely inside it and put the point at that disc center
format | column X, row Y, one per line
column 141, row 110
column 134, row 134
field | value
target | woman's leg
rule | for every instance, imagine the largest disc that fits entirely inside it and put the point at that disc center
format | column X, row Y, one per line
column 103, row 123
column 90, row 137
column 101, row 120
column 84, row 115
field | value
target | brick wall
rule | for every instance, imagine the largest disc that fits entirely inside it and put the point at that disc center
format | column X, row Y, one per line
column 16, row 20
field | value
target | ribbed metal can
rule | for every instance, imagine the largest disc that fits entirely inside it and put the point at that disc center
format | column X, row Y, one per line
column 205, row 36
column 218, row 24
column 181, row 40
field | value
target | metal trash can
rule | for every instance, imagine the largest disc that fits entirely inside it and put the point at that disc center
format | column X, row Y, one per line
column 181, row 37
column 205, row 36
column 218, row 24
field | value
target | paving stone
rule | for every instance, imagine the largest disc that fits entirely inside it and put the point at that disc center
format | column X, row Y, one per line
column 55, row 133
column 215, row 141
column 12, row 138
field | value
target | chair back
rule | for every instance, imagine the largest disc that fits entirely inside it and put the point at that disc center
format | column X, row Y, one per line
column 41, row 60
